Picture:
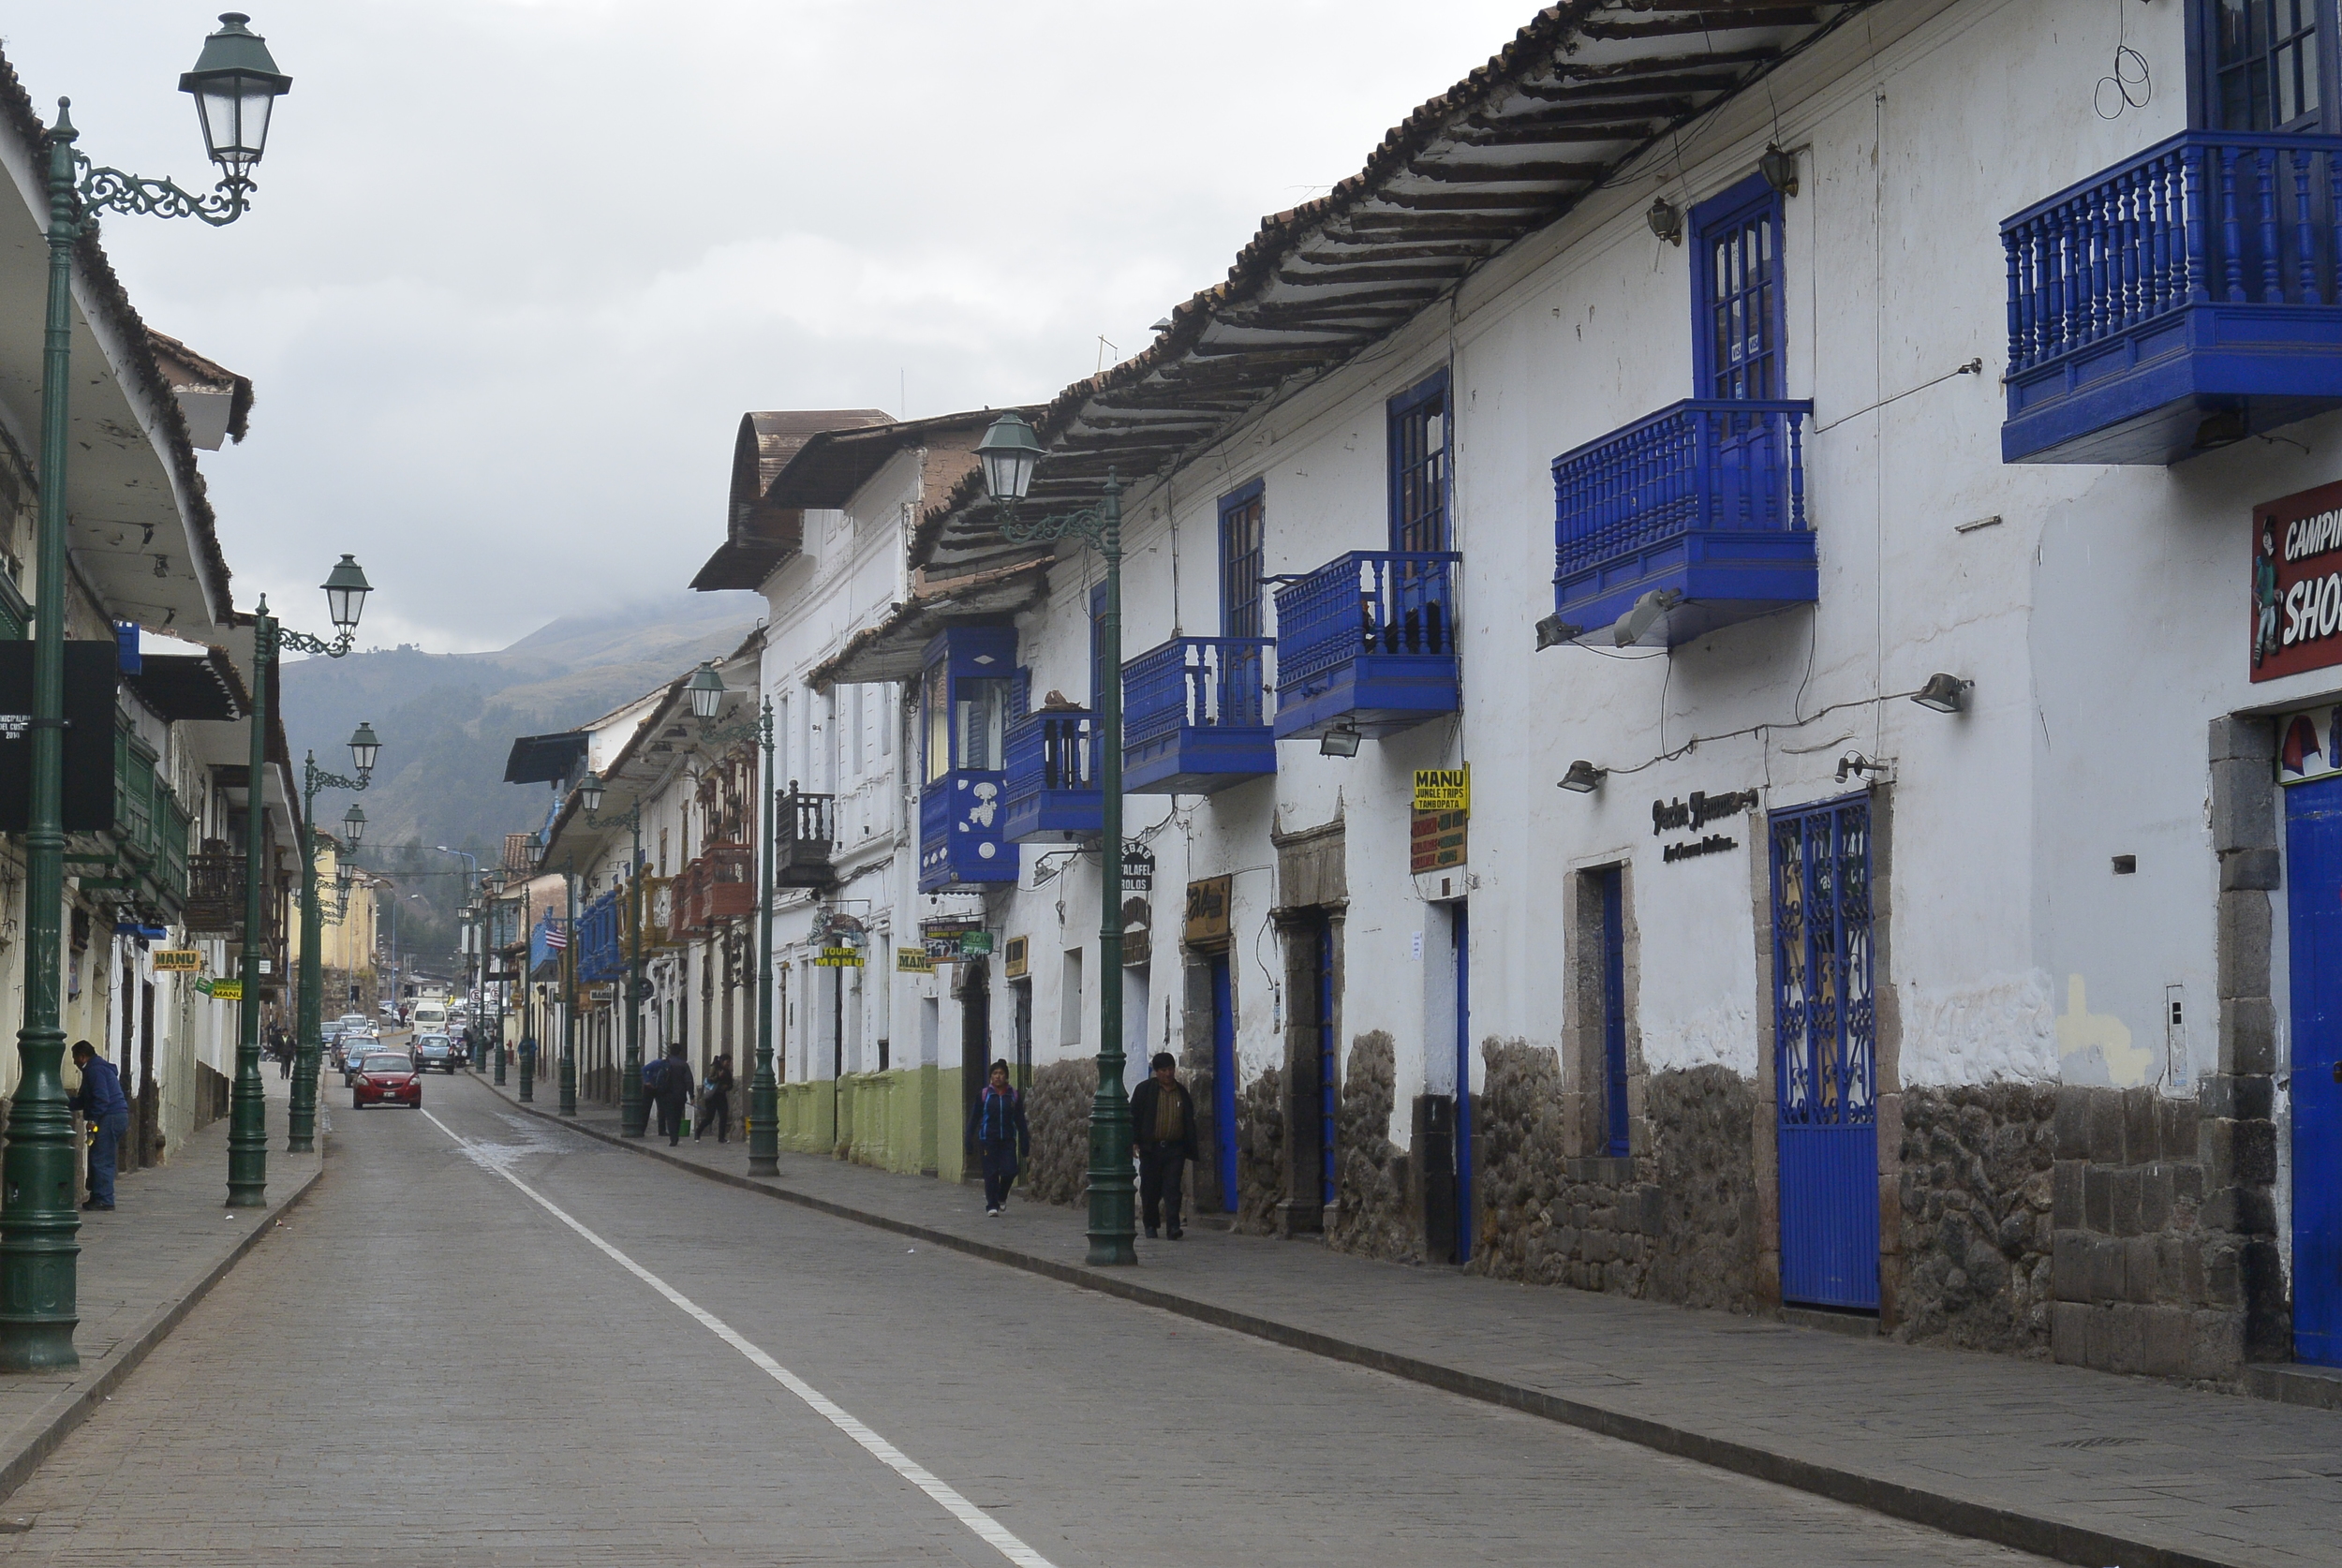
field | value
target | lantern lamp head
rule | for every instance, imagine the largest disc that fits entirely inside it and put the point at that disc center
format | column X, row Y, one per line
column 363, row 749
column 1666, row 219
column 346, row 589
column 589, row 792
column 707, row 690
column 1009, row 451
column 354, row 824
column 235, row 84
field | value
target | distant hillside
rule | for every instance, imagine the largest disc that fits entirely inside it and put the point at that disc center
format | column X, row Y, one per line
column 447, row 722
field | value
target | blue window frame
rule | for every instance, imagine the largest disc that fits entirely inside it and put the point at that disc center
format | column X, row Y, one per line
column 1737, row 329
column 2263, row 64
column 1419, row 426
column 1241, row 517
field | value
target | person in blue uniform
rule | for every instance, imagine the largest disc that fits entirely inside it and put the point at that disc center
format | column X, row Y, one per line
column 108, row 1112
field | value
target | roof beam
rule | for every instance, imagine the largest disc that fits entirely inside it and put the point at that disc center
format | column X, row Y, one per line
column 1709, row 21
column 1471, row 201
column 1664, row 64
column 1508, row 174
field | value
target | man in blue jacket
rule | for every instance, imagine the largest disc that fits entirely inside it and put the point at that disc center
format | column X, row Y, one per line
column 107, row 1110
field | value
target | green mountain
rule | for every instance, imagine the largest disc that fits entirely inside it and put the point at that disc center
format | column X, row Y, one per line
column 448, row 721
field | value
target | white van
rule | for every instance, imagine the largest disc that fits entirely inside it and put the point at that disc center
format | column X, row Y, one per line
column 431, row 1016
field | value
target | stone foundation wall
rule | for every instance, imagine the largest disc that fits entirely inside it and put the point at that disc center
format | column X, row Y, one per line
column 1371, row 1191
column 1057, row 1109
column 1675, row 1222
column 1260, row 1131
column 1976, row 1189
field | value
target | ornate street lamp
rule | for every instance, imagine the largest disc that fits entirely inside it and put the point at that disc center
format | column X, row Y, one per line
column 1009, row 452
column 40, row 1258
column 301, row 1119
column 708, row 697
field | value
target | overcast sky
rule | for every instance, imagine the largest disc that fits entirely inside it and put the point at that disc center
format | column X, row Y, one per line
column 518, row 266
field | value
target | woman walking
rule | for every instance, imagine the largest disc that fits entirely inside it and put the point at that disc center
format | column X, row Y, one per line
column 997, row 1124
column 715, row 1100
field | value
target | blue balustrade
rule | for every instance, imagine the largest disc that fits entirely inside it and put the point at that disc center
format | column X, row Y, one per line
column 1052, row 794
column 1197, row 716
column 2185, row 298
column 601, row 952
column 1703, row 503
column 1367, row 642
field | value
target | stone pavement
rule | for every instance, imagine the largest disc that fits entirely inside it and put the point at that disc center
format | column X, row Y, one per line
column 169, row 1239
column 2083, row 1467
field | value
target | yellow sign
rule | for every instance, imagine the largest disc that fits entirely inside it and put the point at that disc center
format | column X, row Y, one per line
column 1442, row 789
column 912, row 960
column 1013, row 959
column 178, row 960
column 840, row 958
column 228, row 990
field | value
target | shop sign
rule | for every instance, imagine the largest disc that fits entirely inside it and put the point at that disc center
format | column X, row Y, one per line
column 2297, row 615
column 178, row 960
column 227, row 990
column 1138, row 867
column 912, row 960
column 1012, row 957
column 1442, row 789
column 2309, row 745
column 840, row 958
column 941, row 950
column 1438, row 841
column 1208, row 910
column 975, row 945
column 1697, row 812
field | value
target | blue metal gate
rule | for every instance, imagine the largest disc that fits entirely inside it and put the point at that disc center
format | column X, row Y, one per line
column 1460, row 934
column 2313, row 883
column 1824, row 1063
column 1224, row 1078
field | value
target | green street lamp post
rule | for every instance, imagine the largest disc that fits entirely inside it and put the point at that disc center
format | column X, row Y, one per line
column 504, row 999
column 300, row 1121
column 1009, row 452
column 707, row 690
column 345, row 590
column 531, row 1010
column 234, row 82
column 633, row 1112
column 569, row 1005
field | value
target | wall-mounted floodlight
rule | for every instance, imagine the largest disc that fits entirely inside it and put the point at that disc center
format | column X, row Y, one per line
column 1583, row 777
column 1553, row 631
column 1339, row 743
column 1944, row 693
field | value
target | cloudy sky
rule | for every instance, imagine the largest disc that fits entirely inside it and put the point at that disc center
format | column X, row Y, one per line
column 518, row 266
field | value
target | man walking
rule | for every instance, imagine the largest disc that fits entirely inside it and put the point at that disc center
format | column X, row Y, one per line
column 673, row 1093
column 1163, row 1120
column 997, row 1124
column 101, row 1101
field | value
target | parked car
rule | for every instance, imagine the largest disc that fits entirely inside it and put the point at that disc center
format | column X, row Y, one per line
column 384, row 1078
column 354, row 1049
column 435, row 1053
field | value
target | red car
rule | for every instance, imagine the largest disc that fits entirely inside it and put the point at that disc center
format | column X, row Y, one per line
column 384, row 1079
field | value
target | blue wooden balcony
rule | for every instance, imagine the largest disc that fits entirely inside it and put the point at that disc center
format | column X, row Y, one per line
column 1367, row 642
column 960, row 841
column 601, row 954
column 1053, row 795
column 1703, row 501
column 1195, row 717
column 2180, row 301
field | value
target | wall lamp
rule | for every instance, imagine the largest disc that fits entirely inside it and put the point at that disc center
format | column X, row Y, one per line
column 1666, row 219
column 1343, row 742
column 1553, row 631
column 1583, row 777
column 1869, row 770
column 1944, row 693
column 1779, row 168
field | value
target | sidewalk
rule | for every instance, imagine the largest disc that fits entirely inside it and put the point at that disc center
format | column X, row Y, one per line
column 143, row 1267
column 2080, row 1466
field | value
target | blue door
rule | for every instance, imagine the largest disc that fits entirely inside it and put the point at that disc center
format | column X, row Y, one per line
column 1460, row 931
column 1224, row 1079
column 2313, row 879
column 1322, row 937
column 1618, row 1146
column 1824, row 1066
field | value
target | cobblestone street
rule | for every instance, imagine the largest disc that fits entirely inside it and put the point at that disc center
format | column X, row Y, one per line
column 427, row 1366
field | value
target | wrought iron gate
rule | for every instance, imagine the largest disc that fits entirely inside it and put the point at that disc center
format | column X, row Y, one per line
column 1825, row 1074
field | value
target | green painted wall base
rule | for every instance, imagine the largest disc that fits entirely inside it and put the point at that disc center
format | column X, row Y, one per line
column 904, row 1120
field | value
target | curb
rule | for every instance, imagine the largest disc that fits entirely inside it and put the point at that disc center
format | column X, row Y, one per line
column 2007, row 1527
column 51, row 1424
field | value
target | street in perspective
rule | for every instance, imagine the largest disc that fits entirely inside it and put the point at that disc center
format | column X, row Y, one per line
column 902, row 840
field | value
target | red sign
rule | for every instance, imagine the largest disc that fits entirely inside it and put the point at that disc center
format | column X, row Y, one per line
column 2297, row 583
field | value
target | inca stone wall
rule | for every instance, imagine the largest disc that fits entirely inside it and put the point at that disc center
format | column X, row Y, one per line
column 1677, row 1221
column 1370, row 1171
column 1057, row 1109
column 1976, row 1186
column 1260, row 1130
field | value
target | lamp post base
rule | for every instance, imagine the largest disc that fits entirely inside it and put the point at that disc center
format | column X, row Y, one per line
column 499, row 1056
column 568, row 1085
column 300, row 1121
column 528, row 1078
column 764, row 1130
column 37, row 1344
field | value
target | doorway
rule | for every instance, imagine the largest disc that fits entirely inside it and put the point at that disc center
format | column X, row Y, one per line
column 2313, row 873
column 1460, row 951
column 1321, row 940
column 1224, row 1078
column 1825, row 1090
column 976, row 1053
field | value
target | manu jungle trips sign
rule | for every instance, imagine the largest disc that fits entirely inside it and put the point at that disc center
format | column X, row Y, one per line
column 2297, row 583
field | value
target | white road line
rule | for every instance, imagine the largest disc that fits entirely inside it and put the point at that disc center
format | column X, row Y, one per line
column 987, row 1528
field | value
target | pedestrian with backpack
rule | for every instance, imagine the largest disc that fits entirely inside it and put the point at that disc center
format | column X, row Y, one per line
column 671, row 1093
column 996, row 1124
column 715, row 1100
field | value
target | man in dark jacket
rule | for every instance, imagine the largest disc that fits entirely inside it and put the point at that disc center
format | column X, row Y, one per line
column 673, row 1092
column 996, row 1124
column 1162, row 1122
column 107, row 1110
